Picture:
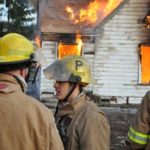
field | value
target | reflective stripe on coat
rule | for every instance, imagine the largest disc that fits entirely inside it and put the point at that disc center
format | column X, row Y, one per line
column 139, row 131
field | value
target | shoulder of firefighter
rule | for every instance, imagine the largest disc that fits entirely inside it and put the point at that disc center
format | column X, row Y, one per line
column 76, row 129
column 94, row 128
column 139, row 132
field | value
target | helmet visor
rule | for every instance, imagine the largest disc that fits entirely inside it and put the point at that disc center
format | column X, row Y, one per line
column 57, row 71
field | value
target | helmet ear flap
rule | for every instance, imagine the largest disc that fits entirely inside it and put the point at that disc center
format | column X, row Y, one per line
column 74, row 78
column 4, row 67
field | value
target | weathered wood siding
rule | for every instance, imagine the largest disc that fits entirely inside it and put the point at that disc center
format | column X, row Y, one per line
column 116, row 60
column 115, row 65
column 49, row 50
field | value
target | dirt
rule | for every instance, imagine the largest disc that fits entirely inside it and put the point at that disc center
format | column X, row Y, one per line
column 120, row 120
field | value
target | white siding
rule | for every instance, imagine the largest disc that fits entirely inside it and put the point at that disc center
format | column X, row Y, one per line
column 49, row 50
column 89, row 47
column 115, row 65
column 116, row 60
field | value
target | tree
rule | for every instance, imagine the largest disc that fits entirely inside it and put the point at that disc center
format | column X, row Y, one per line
column 20, row 17
column 1, row 1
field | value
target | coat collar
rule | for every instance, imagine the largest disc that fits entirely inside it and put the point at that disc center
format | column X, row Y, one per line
column 70, row 108
column 8, row 84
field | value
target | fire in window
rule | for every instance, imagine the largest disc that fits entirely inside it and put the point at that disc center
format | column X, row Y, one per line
column 145, row 64
column 70, row 45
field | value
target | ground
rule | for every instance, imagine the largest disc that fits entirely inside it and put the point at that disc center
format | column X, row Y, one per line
column 120, row 120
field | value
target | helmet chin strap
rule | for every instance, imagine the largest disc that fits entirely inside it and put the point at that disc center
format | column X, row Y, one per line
column 73, row 86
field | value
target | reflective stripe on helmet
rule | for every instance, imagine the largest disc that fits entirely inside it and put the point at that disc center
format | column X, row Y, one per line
column 138, row 137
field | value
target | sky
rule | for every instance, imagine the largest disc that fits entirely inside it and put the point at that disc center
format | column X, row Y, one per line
column 3, row 13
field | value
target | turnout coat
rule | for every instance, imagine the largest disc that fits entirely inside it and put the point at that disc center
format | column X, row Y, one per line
column 82, row 125
column 25, row 123
column 139, row 132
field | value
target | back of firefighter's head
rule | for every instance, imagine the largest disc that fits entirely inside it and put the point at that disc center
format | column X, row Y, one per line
column 72, row 68
column 16, row 52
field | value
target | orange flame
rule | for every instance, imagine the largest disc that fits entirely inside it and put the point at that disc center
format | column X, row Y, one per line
column 92, row 12
column 89, row 14
column 145, row 64
column 38, row 41
column 79, row 41
column 111, row 6
column 70, row 49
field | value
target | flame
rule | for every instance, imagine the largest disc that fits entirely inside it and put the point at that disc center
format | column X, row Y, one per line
column 70, row 49
column 89, row 14
column 111, row 6
column 145, row 63
column 93, row 11
column 79, row 41
column 38, row 41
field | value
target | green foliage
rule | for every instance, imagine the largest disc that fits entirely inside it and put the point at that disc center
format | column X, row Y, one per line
column 1, row 1
column 19, row 18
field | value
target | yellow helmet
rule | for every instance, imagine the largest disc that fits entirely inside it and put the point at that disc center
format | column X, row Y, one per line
column 15, row 48
column 72, row 68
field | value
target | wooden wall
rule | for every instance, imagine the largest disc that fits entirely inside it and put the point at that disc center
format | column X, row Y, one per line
column 115, row 64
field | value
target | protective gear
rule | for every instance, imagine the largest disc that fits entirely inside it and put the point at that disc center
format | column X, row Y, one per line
column 15, row 47
column 82, row 125
column 25, row 123
column 21, row 81
column 16, row 52
column 139, row 131
column 24, row 84
column 72, row 68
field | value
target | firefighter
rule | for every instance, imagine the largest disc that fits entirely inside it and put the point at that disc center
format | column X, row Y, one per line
column 81, row 124
column 25, row 123
column 138, row 137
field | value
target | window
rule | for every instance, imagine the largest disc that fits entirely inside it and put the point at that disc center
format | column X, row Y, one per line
column 68, row 49
column 145, row 64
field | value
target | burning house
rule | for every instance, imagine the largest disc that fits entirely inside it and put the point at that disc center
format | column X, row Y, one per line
column 111, row 34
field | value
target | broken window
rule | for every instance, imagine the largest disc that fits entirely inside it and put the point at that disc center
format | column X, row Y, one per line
column 65, row 49
column 73, row 47
column 145, row 64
